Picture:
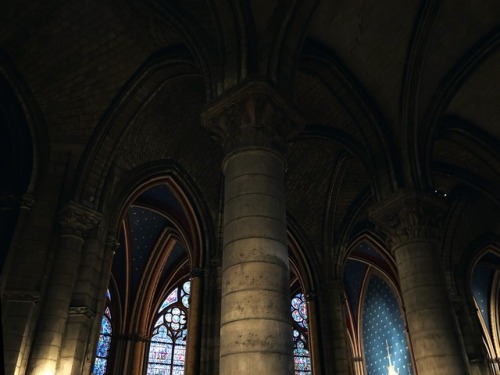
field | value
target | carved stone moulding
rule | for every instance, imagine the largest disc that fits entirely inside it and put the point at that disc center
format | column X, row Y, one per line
column 77, row 220
column 14, row 201
column 410, row 215
column 81, row 311
column 254, row 114
column 22, row 296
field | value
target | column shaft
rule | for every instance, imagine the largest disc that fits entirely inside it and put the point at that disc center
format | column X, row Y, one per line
column 432, row 326
column 47, row 345
column 413, row 220
column 334, row 330
column 194, row 330
column 18, row 306
column 255, row 317
column 101, row 287
column 83, row 309
column 314, row 348
column 45, row 354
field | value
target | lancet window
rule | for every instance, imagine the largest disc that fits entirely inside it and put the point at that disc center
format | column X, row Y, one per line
column 167, row 350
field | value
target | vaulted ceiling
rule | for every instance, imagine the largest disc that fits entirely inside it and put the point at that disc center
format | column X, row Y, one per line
column 394, row 94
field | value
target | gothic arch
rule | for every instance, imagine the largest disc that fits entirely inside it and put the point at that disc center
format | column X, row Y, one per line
column 483, row 298
column 25, row 128
column 158, row 71
column 367, row 260
column 201, row 231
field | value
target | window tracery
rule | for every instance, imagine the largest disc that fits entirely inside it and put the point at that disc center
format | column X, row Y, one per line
column 167, row 351
column 301, row 355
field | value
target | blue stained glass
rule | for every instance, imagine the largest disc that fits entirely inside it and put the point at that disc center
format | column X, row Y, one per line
column 162, row 335
column 105, row 326
column 187, row 287
column 159, row 321
column 160, row 353
column 99, row 366
column 167, row 351
column 299, row 310
column 179, row 355
column 103, row 345
column 157, row 369
column 301, row 355
column 172, row 298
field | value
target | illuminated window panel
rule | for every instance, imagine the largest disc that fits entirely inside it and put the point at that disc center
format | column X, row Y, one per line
column 104, row 343
column 301, row 355
column 167, row 350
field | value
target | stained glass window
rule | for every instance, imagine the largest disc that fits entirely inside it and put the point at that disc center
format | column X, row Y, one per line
column 167, row 350
column 301, row 356
column 104, row 343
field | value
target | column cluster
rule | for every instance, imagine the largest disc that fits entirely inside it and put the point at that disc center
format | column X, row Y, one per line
column 75, row 221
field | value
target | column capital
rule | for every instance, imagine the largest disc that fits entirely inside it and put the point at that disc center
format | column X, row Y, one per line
column 254, row 114
column 81, row 311
column 77, row 220
column 197, row 272
column 12, row 201
column 410, row 215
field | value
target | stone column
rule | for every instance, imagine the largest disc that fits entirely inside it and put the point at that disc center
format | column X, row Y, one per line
column 412, row 221
column 334, row 329
column 472, row 335
column 253, row 122
column 13, row 212
column 314, row 348
column 139, row 343
column 194, row 326
column 17, row 306
column 76, row 220
column 83, row 309
column 102, row 283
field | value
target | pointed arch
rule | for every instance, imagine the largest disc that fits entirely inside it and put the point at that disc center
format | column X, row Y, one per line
column 165, row 231
column 374, row 309
column 483, row 281
column 19, row 112
column 199, row 229
column 95, row 168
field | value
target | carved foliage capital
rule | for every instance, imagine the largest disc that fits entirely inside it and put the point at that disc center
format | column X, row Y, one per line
column 81, row 311
column 254, row 115
column 410, row 215
column 77, row 220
